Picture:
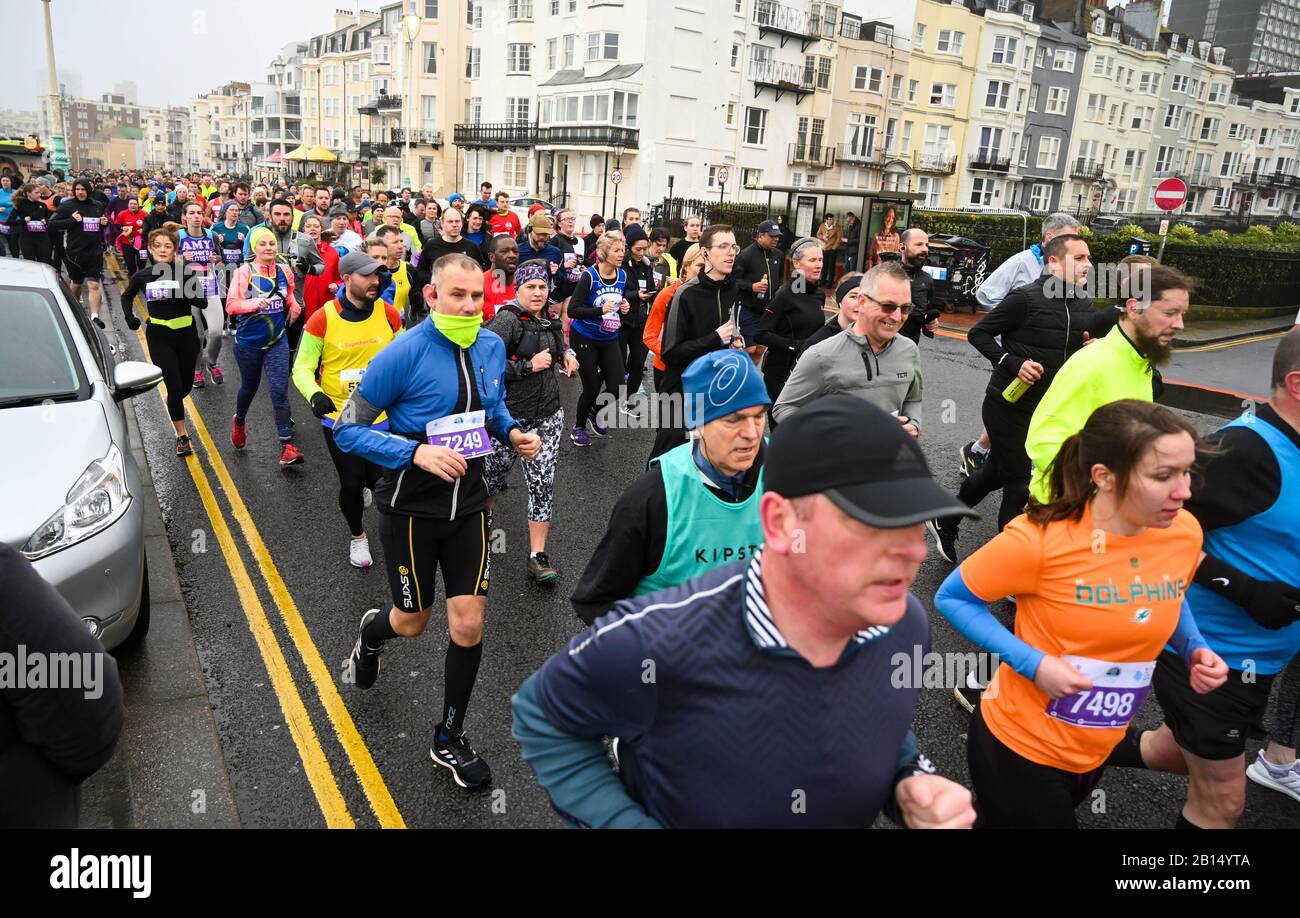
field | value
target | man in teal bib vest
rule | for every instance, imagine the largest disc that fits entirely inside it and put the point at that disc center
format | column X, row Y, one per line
column 697, row 507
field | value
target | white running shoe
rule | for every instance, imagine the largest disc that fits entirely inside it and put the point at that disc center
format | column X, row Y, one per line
column 1288, row 782
column 359, row 552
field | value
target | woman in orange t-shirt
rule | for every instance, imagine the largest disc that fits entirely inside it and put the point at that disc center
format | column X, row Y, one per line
column 654, row 323
column 1100, row 575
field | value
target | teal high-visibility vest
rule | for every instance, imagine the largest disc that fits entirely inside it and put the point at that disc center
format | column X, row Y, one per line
column 704, row 531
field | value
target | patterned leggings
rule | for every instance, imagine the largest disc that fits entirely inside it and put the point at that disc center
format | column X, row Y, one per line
column 539, row 473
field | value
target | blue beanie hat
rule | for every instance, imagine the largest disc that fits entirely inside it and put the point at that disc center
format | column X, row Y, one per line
column 720, row 383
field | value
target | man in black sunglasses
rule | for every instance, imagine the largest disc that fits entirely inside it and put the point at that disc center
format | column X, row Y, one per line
column 870, row 359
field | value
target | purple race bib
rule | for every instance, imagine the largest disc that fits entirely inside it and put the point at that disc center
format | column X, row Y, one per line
column 465, row 433
column 160, row 290
column 1118, row 690
column 610, row 321
column 208, row 285
column 90, row 224
column 4, row 229
column 274, row 304
column 36, row 226
column 232, row 256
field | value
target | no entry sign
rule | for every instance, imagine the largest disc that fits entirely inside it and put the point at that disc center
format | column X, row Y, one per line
column 1171, row 194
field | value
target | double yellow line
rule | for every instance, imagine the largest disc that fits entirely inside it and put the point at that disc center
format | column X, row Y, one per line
column 315, row 763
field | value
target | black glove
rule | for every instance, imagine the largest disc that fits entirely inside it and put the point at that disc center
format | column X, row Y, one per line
column 322, row 405
column 1271, row 603
column 132, row 322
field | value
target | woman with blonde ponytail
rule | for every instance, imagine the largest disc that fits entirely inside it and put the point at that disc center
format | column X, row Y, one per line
column 1100, row 574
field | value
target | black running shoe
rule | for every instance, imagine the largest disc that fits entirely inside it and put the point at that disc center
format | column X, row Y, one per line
column 457, row 756
column 970, row 460
column 969, row 695
column 183, row 447
column 98, row 321
column 363, row 665
column 945, row 539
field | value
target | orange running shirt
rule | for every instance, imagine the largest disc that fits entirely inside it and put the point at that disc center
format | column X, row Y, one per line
column 1086, row 593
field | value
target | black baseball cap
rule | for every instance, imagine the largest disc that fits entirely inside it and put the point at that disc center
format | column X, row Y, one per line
column 863, row 461
column 769, row 228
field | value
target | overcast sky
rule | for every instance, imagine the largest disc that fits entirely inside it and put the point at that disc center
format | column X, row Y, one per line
column 172, row 50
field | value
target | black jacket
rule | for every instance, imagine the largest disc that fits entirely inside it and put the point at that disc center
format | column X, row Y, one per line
column 79, row 240
column 925, row 305
column 638, row 271
column 752, row 264
column 790, row 320
column 632, row 547
column 1034, row 326
column 829, row 330
column 437, row 247
column 530, row 396
column 699, row 309
column 62, row 728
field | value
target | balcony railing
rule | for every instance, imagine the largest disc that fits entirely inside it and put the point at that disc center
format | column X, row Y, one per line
column 816, row 155
column 786, row 21
column 857, row 155
column 379, row 150
column 590, row 135
column 496, row 136
column 1200, row 180
column 1087, row 170
column 934, row 163
column 411, row 138
column 990, row 161
column 1284, row 180
column 780, row 76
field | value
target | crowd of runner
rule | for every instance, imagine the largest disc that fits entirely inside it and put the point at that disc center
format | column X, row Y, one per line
column 763, row 562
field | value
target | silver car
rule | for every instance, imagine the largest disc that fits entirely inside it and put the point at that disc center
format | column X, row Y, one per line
column 69, row 490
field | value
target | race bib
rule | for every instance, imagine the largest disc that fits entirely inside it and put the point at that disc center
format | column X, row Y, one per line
column 610, row 321
column 274, row 304
column 208, row 285
column 1118, row 690
column 161, row 290
column 351, row 378
column 90, row 224
column 465, row 433
column 659, row 279
column 232, row 256
column 36, row 226
column 4, row 229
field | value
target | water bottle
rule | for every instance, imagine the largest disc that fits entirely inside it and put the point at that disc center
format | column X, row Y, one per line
column 1017, row 388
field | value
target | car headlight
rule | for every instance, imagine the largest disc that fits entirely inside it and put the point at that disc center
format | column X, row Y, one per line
column 95, row 502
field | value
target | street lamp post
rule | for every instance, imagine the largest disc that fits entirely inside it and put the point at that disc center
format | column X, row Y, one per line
column 618, row 164
column 278, row 65
column 58, row 149
column 411, row 24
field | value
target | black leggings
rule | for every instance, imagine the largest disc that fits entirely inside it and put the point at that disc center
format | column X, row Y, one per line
column 1011, row 792
column 49, row 798
column 38, row 247
column 175, row 351
column 130, row 259
column 355, row 475
column 633, row 350
column 597, row 361
column 1007, row 466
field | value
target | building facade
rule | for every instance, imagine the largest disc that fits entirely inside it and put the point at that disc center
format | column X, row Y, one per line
column 1259, row 36
column 1043, row 160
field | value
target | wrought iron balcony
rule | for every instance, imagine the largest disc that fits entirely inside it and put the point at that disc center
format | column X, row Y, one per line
column 1088, row 170
column 781, row 77
column 934, row 163
column 1200, row 180
column 817, row 155
column 590, row 135
column 379, row 150
column 785, row 21
column 507, row 135
column 858, row 155
column 381, row 103
column 1284, row 180
column 990, row 161
column 412, row 138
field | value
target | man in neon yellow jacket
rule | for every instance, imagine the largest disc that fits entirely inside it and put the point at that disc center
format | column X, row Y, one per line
column 1118, row 366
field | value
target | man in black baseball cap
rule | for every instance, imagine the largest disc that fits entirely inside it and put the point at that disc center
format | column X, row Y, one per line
column 760, row 269
column 785, row 658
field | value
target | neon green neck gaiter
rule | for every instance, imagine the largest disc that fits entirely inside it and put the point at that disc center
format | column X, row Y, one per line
column 461, row 331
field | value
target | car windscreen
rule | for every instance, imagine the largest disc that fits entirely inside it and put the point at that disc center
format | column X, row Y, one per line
column 37, row 361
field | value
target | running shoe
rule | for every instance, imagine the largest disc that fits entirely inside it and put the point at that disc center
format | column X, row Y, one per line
column 578, row 437
column 596, row 427
column 183, row 447
column 199, row 381
column 363, row 665
column 539, row 568
column 630, row 410
column 291, row 455
column 1283, row 780
column 359, row 553
column 217, row 378
column 98, row 321
column 968, row 695
column 238, row 434
column 969, row 460
column 945, row 539
column 458, row 756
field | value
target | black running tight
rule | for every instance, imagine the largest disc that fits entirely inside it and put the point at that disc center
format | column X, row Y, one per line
column 174, row 351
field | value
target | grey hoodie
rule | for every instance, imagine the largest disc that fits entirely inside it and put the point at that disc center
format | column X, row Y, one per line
column 890, row 380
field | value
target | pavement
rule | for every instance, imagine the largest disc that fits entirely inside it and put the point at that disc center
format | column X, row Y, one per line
column 259, row 555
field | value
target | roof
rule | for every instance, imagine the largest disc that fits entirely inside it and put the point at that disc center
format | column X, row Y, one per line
column 573, row 77
column 820, row 190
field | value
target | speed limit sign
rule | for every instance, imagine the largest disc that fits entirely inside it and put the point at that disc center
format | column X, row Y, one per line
column 723, row 175
column 616, row 176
